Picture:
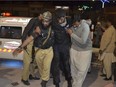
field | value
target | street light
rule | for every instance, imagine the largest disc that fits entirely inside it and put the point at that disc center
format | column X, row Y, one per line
column 103, row 2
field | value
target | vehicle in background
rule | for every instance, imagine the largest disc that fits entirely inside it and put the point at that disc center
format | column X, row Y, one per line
column 11, row 29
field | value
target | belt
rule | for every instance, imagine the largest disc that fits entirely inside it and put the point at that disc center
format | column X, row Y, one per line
column 43, row 47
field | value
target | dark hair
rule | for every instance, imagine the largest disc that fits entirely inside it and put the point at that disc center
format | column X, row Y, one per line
column 76, row 17
column 85, row 16
column 109, row 19
column 103, row 22
column 60, row 13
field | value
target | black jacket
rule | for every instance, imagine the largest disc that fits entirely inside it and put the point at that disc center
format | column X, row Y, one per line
column 30, row 27
column 39, row 39
column 61, row 37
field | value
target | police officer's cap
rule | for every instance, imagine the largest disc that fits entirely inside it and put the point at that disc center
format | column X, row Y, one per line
column 47, row 16
column 60, row 13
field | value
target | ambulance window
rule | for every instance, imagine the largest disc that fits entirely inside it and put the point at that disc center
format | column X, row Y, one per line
column 10, row 32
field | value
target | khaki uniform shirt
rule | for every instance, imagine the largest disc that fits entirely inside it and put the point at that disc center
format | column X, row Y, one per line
column 108, row 40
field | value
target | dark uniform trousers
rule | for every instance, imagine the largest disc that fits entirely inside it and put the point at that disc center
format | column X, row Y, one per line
column 61, row 56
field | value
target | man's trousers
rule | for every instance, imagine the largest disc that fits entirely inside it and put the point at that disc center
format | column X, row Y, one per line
column 43, row 59
column 61, row 56
column 27, row 58
column 80, row 62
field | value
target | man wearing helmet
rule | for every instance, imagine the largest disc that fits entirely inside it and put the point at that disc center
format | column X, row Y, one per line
column 44, row 39
column 61, row 48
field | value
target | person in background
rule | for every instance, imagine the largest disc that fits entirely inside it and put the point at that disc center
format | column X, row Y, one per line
column 107, row 46
column 98, row 34
column 81, row 49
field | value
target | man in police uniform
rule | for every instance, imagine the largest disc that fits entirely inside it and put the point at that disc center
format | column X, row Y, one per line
column 29, row 64
column 61, row 48
column 44, row 39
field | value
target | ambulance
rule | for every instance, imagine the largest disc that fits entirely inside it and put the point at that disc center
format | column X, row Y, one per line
column 11, row 29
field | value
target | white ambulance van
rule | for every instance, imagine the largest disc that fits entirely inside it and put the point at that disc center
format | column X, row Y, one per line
column 11, row 29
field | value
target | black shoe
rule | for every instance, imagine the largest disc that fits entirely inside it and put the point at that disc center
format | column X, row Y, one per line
column 107, row 79
column 57, row 85
column 43, row 83
column 25, row 82
column 33, row 78
column 89, row 72
column 51, row 76
column 103, row 75
column 36, row 78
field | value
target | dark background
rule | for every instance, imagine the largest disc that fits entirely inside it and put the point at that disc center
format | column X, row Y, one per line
column 31, row 8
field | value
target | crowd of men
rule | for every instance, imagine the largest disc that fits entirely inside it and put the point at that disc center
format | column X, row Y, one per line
column 55, row 42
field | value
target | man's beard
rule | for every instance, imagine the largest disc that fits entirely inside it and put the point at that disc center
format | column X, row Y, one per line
column 46, row 27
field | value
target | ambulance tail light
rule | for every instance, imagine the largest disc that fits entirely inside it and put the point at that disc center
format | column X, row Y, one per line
column 6, row 50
